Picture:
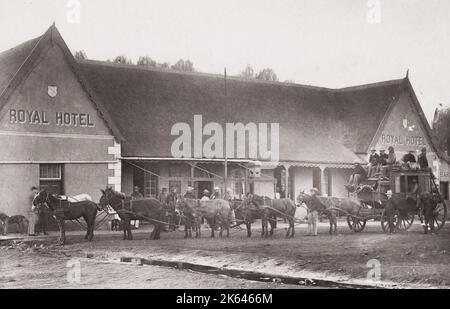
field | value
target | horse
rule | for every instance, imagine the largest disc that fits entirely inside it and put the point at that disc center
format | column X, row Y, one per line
column 217, row 213
column 330, row 207
column 65, row 210
column 20, row 221
column 148, row 209
column 248, row 214
column 270, row 210
column 425, row 208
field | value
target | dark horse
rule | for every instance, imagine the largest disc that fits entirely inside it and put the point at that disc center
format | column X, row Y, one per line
column 64, row 210
column 248, row 214
column 405, row 207
column 148, row 209
column 271, row 209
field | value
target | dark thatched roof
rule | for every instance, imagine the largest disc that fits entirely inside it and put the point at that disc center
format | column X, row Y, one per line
column 11, row 60
column 316, row 124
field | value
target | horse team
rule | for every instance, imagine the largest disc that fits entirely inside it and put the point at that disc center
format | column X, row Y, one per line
column 219, row 214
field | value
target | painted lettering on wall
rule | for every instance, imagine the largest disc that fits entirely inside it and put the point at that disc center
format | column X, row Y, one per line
column 36, row 117
column 405, row 140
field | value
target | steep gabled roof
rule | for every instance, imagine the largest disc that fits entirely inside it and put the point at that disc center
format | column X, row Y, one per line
column 11, row 60
column 363, row 108
column 17, row 63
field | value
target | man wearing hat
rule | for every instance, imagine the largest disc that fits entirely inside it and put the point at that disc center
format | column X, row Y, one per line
column 163, row 196
column 373, row 162
column 216, row 194
column 422, row 159
column 313, row 212
column 205, row 196
column 190, row 193
column 409, row 157
column 228, row 195
column 136, row 194
column 359, row 174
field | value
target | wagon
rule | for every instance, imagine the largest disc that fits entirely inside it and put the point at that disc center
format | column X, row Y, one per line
column 374, row 197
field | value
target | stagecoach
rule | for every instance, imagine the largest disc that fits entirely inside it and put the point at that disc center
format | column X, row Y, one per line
column 392, row 201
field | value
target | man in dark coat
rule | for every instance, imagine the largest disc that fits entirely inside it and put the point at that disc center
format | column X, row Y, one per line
column 409, row 157
column 136, row 195
column 374, row 159
column 383, row 157
column 422, row 160
column 359, row 174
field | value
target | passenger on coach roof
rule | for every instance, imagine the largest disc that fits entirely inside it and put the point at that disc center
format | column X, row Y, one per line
column 409, row 157
column 422, row 159
column 383, row 157
column 373, row 163
column 358, row 175
column 392, row 157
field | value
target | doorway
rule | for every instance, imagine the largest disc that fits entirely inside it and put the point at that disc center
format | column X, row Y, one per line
column 200, row 186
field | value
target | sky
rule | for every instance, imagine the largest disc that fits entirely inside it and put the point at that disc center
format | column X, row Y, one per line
column 329, row 43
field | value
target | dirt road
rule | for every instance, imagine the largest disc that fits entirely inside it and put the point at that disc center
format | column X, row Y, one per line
column 401, row 260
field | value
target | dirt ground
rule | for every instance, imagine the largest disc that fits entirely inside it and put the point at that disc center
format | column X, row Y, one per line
column 410, row 259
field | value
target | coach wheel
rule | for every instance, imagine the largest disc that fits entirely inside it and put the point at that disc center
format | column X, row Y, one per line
column 406, row 220
column 356, row 224
column 390, row 222
column 440, row 216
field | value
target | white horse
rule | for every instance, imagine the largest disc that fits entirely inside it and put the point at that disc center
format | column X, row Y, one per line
column 77, row 198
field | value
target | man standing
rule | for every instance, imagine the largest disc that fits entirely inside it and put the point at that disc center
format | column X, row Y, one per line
column 228, row 195
column 33, row 215
column 163, row 196
column 42, row 219
column 205, row 196
column 422, row 160
column 392, row 157
column 313, row 212
column 136, row 195
column 216, row 194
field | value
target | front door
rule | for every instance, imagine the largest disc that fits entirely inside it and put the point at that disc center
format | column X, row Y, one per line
column 200, row 186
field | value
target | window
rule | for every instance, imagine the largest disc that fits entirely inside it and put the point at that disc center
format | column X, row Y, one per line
column 50, row 172
column 443, row 188
column 150, row 185
column 51, row 178
column 237, row 176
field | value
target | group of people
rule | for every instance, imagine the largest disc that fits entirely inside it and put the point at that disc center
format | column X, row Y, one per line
column 380, row 163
